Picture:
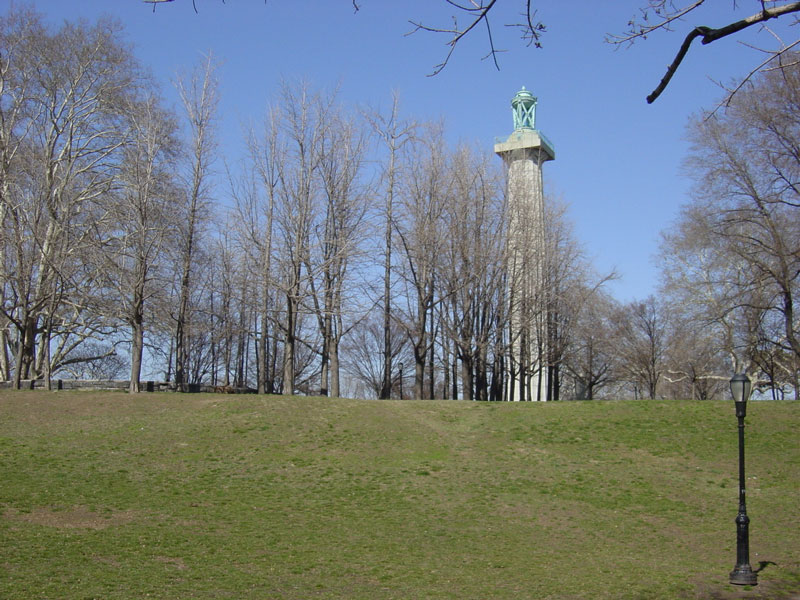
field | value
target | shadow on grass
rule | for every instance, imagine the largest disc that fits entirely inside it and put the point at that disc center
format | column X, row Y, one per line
column 764, row 564
column 778, row 584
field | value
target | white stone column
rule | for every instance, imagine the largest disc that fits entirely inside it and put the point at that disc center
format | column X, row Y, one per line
column 523, row 153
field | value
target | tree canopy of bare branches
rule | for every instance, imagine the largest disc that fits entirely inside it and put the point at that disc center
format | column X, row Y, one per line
column 742, row 228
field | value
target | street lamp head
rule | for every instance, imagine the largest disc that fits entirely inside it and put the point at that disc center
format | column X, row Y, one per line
column 740, row 390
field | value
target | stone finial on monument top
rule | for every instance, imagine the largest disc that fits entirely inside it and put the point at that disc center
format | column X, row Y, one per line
column 524, row 109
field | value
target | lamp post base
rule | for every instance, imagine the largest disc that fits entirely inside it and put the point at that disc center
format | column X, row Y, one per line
column 743, row 575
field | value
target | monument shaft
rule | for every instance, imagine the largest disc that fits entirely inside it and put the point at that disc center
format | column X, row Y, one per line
column 523, row 153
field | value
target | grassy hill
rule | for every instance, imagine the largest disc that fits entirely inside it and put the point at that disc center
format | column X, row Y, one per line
column 105, row 495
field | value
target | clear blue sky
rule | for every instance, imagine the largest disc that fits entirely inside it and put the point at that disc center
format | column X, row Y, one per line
column 619, row 160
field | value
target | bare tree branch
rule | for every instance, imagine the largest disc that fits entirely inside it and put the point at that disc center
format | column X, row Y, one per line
column 481, row 13
column 154, row 2
column 637, row 30
column 478, row 11
column 708, row 35
column 763, row 65
column 697, row 31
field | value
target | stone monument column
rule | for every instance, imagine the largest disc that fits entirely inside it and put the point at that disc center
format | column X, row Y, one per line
column 523, row 153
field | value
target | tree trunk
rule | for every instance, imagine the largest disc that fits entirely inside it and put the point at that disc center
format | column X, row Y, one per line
column 262, row 351
column 180, row 334
column 788, row 321
column 289, row 347
column 266, row 268
column 431, row 367
column 5, row 363
column 46, row 366
column 137, row 347
column 170, row 351
column 273, row 366
column 241, row 345
column 334, row 370
column 386, row 389
column 419, row 374
column 25, row 351
column 181, row 357
column 467, row 376
column 19, row 353
column 199, row 97
column 325, row 358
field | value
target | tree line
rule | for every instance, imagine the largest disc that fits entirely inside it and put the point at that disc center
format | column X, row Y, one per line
column 354, row 251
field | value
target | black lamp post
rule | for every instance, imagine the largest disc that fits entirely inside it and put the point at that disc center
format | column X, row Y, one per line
column 742, row 573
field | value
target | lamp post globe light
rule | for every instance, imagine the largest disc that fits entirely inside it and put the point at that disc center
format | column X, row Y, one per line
column 742, row 573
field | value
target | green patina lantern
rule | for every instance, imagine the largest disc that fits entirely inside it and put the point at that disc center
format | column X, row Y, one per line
column 524, row 107
column 525, row 135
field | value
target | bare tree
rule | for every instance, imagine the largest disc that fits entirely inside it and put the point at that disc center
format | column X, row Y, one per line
column 303, row 119
column 228, row 264
column 16, row 120
column 301, row 207
column 109, row 365
column 589, row 355
column 338, row 240
column 420, row 233
column 394, row 134
column 574, row 289
column 640, row 336
column 706, row 288
column 695, row 365
column 64, row 138
column 201, row 334
column 199, row 95
column 266, row 156
column 471, row 270
column 744, row 220
column 363, row 356
column 255, row 205
column 137, row 220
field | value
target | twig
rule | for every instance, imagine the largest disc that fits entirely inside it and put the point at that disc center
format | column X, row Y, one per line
column 458, row 34
column 773, row 55
column 643, row 31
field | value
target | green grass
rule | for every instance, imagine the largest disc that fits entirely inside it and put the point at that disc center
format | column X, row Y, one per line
column 106, row 495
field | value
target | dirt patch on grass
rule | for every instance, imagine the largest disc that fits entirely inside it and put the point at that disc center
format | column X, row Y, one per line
column 76, row 517
column 176, row 563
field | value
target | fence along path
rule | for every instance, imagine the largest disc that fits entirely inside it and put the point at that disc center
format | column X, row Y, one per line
column 117, row 384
